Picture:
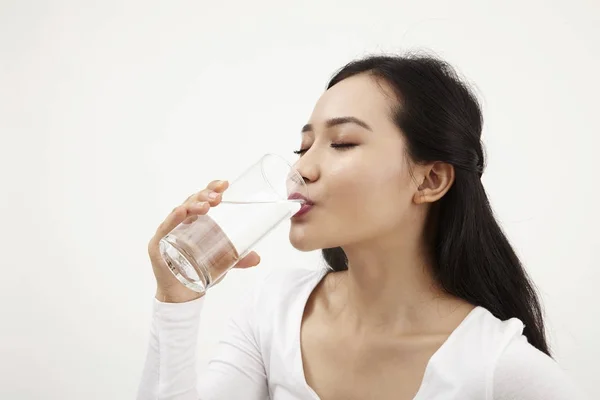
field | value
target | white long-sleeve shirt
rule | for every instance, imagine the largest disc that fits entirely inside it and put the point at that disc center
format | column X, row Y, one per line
column 259, row 357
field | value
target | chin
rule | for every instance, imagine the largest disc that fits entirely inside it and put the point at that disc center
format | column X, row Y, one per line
column 302, row 240
column 305, row 239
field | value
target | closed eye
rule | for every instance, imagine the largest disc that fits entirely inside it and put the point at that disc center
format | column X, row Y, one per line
column 342, row 145
column 339, row 146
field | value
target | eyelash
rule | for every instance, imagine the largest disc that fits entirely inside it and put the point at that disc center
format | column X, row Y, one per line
column 341, row 146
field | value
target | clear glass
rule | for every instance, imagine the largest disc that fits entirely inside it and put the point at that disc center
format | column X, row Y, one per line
column 203, row 248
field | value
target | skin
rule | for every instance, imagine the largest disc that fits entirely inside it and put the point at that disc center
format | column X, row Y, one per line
column 368, row 332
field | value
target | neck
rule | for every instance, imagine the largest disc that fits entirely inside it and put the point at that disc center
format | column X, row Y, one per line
column 389, row 284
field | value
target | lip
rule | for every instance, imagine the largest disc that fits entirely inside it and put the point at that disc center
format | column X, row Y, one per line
column 303, row 210
column 306, row 207
column 300, row 196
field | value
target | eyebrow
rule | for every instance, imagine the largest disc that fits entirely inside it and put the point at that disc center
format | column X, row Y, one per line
column 339, row 121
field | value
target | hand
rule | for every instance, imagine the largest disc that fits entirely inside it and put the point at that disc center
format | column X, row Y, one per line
column 168, row 288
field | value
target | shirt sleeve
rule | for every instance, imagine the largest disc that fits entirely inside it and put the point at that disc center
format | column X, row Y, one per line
column 170, row 372
column 525, row 373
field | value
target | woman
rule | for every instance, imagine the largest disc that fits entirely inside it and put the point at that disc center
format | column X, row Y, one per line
column 424, row 298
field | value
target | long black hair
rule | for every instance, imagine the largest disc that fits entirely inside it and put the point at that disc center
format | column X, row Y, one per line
column 441, row 120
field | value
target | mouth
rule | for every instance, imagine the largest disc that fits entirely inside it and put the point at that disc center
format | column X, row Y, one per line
column 306, row 206
column 300, row 196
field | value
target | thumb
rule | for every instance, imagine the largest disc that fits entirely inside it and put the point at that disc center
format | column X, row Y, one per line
column 251, row 260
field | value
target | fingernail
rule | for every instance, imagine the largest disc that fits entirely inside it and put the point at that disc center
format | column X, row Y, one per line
column 213, row 195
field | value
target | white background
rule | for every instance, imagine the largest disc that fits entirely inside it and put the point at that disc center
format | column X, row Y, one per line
column 113, row 112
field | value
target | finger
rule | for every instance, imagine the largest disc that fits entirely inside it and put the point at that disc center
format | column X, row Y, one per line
column 190, row 219
column 218, row 186
column 251, row 260
column 193, row 210
column 178, row 215
column 207, row 195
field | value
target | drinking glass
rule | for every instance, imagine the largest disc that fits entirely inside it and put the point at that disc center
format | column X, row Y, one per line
column 200, row 250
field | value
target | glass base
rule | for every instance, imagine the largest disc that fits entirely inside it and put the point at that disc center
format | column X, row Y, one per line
column 187, row 271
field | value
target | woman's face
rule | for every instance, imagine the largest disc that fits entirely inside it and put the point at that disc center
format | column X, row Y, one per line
column 354, row 164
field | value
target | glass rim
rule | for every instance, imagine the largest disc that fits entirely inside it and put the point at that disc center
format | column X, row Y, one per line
column 293, row 171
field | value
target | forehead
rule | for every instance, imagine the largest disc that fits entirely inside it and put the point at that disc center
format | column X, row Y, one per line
column 362, row 96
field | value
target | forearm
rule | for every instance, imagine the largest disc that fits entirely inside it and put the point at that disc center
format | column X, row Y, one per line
column 170, row 370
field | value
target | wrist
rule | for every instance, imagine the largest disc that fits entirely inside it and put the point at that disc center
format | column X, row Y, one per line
column 180, row 296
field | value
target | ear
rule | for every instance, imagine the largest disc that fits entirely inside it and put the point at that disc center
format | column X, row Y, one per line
column 437, row 179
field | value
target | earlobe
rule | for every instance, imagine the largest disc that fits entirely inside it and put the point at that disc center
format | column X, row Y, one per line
column 419, row 197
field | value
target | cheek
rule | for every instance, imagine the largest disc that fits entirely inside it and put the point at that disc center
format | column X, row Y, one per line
column 346, row 180
column 382, row 191
column 369, row 193
column 375, row 178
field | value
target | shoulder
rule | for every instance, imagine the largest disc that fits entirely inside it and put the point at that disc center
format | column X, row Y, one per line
column 524, row 372
column 276, row 296
column 495, row 351
column 293, row 276
column 280, row 281
column 281, row 287
column 280, row 299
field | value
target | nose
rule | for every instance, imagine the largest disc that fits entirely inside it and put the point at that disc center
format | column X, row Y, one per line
column 308, row 169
